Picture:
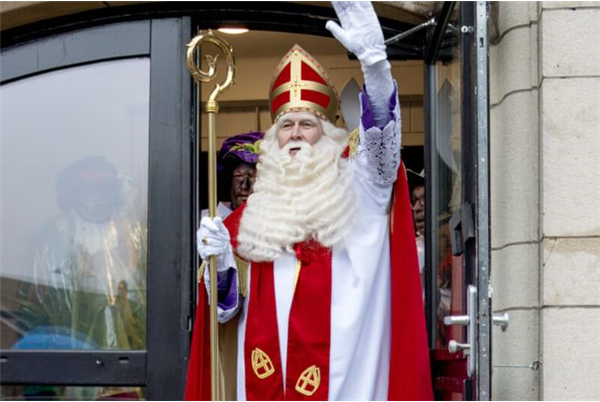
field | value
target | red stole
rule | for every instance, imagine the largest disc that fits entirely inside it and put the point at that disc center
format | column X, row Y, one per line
column 307, row 371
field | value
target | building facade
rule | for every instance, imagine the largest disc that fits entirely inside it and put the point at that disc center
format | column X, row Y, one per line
column 545, row 138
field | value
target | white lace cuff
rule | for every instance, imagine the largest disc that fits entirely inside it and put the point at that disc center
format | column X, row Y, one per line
column 378, row 154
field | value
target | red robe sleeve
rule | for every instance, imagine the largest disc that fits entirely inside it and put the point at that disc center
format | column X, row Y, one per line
column 197, row 387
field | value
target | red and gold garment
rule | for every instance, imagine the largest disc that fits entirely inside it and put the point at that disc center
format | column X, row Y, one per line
column 368, row 342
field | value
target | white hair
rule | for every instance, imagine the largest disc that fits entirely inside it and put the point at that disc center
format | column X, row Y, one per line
column 298, row 197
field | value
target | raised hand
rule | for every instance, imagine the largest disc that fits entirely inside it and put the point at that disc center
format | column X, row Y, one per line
column 360, row 32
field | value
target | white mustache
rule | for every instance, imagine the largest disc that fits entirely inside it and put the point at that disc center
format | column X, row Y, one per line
column 303, row 145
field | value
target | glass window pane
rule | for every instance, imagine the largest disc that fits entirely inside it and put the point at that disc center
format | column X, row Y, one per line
column 74, row 185
column 64, row 393
column 448, row 268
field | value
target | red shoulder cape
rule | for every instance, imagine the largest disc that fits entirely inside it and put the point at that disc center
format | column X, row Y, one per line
column 410, row 374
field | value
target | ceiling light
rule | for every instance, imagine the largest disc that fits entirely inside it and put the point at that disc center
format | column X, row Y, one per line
column 233, row 31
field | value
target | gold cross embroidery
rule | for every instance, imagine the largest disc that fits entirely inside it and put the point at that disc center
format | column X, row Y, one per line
column 295, row 86
column 262, row 364
column 309, row 381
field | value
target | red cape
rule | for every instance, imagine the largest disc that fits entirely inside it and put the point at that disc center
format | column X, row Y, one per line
column 410, row 374
column 197, row 387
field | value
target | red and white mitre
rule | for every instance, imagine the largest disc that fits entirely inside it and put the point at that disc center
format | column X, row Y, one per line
column 300, row 83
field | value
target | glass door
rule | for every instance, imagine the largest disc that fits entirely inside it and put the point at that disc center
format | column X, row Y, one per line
column 96, row 250
column 457, row 203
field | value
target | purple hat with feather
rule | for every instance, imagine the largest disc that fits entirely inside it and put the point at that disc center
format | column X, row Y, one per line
column 239, row 148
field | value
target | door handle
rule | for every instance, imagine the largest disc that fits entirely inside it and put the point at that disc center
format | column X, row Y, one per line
column 501, row 320
column 454, row 347
column 456, row 320
column 470, row 320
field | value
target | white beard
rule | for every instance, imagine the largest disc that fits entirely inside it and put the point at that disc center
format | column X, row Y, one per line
column 310, row 195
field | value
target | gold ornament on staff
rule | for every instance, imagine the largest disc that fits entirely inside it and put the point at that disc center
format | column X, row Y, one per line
column 212, row 108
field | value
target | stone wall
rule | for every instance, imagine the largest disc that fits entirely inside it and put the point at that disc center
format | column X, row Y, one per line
column 545, row 149
column 515, row 200
column 570, row 188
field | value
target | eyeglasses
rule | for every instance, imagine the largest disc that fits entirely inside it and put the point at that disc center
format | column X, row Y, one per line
column 420, row 200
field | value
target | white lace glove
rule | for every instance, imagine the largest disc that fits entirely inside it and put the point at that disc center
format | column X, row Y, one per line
column 213, row 239
column 360, row 32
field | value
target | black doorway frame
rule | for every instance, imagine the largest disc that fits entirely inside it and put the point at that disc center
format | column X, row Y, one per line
column 272, row 16
column 164, row 29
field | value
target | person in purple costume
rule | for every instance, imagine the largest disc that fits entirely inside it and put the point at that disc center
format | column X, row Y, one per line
column 236, row 167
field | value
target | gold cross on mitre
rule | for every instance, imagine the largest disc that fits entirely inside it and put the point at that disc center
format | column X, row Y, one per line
column 295, row 86
column 300, row 83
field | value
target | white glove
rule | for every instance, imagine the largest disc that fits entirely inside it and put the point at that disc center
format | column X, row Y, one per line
column 360, row 32
column 212, row 238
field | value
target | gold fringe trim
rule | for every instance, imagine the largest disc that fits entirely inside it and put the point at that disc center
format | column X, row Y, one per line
column 298, row 268
column 353, row 139
column 200, row 273
column 242, row 267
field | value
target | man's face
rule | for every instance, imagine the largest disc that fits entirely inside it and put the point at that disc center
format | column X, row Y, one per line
column 299, row 126
column 418, row 207
column 242, row 181
column 95, row 205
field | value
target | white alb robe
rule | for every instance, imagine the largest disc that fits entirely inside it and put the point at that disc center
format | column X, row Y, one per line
column 360, row 310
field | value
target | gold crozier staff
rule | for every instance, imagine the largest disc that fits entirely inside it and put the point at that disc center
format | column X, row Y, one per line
column 212, row 108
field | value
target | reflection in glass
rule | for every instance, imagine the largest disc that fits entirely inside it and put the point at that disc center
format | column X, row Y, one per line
column 74, row 208
column 448, row 268
column 64, row 393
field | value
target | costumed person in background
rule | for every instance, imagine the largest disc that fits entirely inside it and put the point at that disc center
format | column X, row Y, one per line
column 444, row 269
column 333, row 307
column 416, row 183
column 236, row 166
column 89, row 289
